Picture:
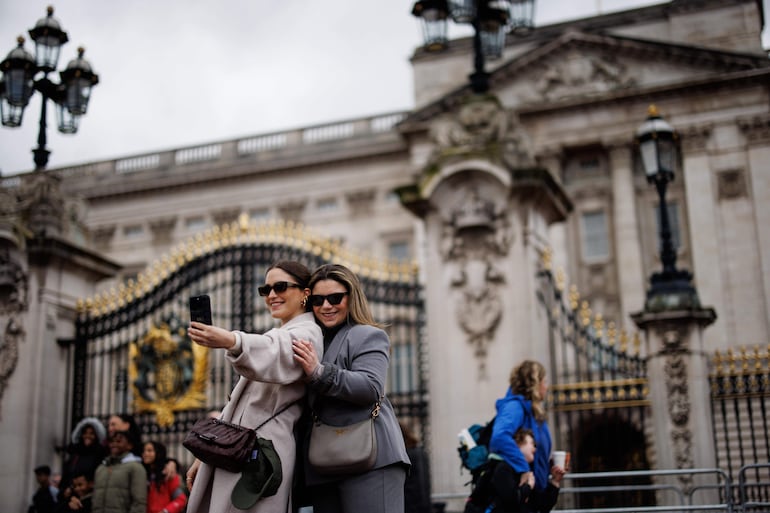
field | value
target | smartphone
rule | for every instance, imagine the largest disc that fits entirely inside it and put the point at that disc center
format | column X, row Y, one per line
column 200, row 309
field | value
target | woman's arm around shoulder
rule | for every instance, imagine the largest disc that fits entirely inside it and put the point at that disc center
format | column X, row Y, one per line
column 359, row 372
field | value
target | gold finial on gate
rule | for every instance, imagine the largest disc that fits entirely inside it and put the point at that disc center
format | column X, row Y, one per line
column 612, row 333
column 744, row 360
column 243, row 222
column 561, row 279
column 637, row 342
column 731, row 360
column 546, row 258
column 585, row 314
column 599, row 326
column 717, row 362
column 574, row 297
column 623, row 341
column 130, row 290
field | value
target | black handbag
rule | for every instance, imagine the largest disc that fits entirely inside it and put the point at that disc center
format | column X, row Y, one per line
column 223, row 444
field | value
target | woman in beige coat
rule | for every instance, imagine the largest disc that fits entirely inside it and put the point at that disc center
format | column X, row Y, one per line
column 270, row 380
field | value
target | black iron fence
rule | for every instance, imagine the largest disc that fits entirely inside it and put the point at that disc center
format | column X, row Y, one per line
column 598, row 391
column 740, row 399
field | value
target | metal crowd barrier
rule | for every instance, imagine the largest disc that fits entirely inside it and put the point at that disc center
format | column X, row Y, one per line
column 675, row 488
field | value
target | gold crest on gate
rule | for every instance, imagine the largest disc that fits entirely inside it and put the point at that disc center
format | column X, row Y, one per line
column 167, row 372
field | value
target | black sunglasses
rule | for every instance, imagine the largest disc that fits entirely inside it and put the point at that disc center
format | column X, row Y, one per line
column 278, row 287
column 333, row 299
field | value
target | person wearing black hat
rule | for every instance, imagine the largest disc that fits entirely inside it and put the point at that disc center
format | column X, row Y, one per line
column 270, row 387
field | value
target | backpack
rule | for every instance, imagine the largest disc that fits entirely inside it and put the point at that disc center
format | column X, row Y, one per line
column 475, row 458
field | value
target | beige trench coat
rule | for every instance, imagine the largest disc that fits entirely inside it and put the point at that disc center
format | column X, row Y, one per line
column 270, row 379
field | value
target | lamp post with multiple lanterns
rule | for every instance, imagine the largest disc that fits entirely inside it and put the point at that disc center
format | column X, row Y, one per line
column 19, row 82
column 491, row 21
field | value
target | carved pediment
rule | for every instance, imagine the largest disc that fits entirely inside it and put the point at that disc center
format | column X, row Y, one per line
column 578, row 74
column 579, row 65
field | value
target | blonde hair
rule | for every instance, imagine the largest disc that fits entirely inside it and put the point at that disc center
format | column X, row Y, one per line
column 358, row 307
column 525, row 380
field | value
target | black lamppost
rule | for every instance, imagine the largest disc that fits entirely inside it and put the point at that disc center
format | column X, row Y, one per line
column 70, row 94
column 491, row 21
column 658, row 148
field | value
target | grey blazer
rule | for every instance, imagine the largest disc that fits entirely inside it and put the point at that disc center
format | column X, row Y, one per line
column 353, row 379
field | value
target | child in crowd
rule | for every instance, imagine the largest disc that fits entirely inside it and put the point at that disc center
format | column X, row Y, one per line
column 83, row 488
column 86, row 451
column 120, row 483
column 514, row 492
column 501, row 489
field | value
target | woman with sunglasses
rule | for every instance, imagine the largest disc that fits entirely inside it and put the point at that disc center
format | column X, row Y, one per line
column 344, row 387
column 271, row 384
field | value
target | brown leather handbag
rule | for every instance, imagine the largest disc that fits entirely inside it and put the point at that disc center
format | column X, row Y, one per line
column 221, row 444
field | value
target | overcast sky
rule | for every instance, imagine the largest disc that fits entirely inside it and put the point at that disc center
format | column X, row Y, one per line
column 185, row 72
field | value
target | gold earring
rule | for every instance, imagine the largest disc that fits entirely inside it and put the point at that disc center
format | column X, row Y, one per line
column 304, row 302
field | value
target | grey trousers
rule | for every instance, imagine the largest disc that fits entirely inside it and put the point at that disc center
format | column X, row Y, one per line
column 377, row 491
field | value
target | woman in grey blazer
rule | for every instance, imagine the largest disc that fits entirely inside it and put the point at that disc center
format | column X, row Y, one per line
column 344, row 387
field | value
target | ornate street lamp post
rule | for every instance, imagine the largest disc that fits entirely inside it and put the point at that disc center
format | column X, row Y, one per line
column 658, row 148
column 491, row 21
column 70, row 94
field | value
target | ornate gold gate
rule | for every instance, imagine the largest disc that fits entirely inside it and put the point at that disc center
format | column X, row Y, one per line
column 131, row 353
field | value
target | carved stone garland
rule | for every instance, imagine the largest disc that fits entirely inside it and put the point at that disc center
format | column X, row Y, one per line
column 675, row 368
column 13, row 302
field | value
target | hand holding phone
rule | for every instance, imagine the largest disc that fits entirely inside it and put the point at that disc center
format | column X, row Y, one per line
column 200, row 309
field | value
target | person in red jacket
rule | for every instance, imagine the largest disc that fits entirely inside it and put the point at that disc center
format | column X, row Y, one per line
column 164, row 492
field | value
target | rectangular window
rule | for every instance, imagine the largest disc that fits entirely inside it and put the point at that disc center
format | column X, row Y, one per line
column 259, row 215
column 327, row 205
column 596, row 245
column 672, row 209
column 132, row 231
column 195, row 223
column 398, row 250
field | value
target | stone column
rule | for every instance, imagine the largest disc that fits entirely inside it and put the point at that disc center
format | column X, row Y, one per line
column 626, row 233
column 486, row 209
column 42, row 274
column 756, row 130
column 677, row 373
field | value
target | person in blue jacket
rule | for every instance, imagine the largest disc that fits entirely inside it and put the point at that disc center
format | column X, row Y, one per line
column 523, row 408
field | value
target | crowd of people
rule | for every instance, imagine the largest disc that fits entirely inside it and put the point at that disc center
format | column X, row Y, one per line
column 326, row 361
column 108, row 469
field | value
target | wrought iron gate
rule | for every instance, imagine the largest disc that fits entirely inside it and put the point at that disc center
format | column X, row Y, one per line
column 740, row 404
column 131, row 353
column 598, row 391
